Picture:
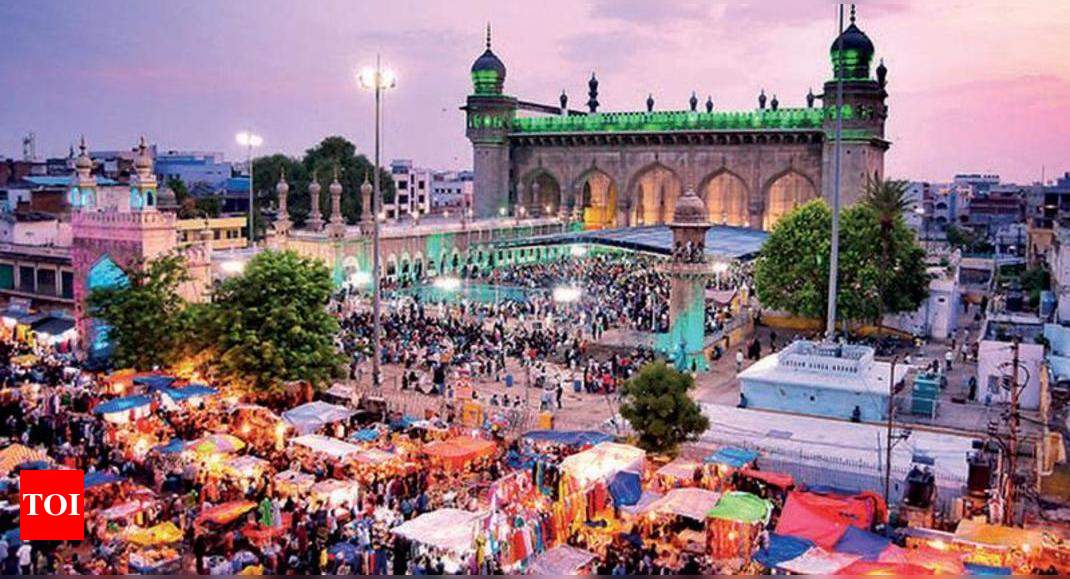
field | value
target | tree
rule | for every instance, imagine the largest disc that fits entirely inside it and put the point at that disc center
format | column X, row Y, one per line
column 270, row 324
column 178, row 187
column 792, row 269
column 657, row 405
column 887, row 199
column 147, row 317
column 332, row 153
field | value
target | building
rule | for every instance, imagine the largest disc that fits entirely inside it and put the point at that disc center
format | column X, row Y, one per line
column 622, row 169
column 829, row 380
column 35, row 260
column 995, row 356
column 192, row 168
column 412, row 190
column 451, row 191
column 225, row 233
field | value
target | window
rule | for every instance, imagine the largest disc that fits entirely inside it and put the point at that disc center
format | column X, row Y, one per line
column 403, row 184
column 7, row 276
column 67, row 277
column 46, row 282
column 26, row 278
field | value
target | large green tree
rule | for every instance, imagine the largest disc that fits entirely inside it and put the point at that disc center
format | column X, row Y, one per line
column 147, row 317
column 791, row 272
column 270, row 324
column 657, row 404
column 331, row 154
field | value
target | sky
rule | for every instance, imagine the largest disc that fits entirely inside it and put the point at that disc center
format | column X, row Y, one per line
column 975, row 86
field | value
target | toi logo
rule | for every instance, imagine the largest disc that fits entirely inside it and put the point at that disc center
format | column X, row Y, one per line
column 52, row 505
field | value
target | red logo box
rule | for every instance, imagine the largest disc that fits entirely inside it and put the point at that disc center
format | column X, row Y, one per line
column 51, row 505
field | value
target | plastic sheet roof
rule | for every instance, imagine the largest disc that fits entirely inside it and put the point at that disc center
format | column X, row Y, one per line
column 331, row 447
column 602, row 461
column 691, row 503
column 311, row 417
column 447, row 529
column 561, row 560
column 722, row 241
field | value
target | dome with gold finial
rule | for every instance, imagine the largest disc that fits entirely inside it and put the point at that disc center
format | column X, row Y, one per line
column 83, row 161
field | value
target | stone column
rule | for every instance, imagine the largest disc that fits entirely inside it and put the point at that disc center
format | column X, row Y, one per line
column 315, row 218
column 337, row 227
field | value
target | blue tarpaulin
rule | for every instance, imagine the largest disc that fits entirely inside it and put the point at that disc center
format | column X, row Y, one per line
column 781, row 548
column 101, row 478
column 12, row 537
column 732, row 456
column 402, row 423
column 975, row 569
column 345, row 551
column 868, row 545
column 155, row 381
column 625, row 488
column 174, row 446
column 191, row 391
column 366, row 435
column 122, row 404
column 568, row 437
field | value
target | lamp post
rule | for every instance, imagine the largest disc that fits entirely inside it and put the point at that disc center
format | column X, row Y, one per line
column 376, row 79
column 249, row 140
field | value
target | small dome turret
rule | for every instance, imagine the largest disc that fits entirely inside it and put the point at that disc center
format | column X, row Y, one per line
column 851, row 52
column 488, row 71
column 690, row 210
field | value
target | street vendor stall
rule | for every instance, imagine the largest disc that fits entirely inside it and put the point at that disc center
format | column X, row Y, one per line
column 823, row 518
column 336, row 493
column 125, row 409
column 450, row 533
column 679, row 473
column 326, row 446
column 573, row 438
column 17, row 454
column 602, row 461
column 459, row 452
column 690, row 503
column 681, row 513
column 153, row 552
column 562, row 560
column 999, row 546
column 292, row 483
column 225, row 513
column 734, row 525
column 310, row 417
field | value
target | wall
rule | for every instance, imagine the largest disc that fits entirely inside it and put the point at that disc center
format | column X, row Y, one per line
column 813, row 400
column 994, row 360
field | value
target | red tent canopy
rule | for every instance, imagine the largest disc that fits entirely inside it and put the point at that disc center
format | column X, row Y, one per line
column 878, row 568
column 459, row 451
column 226, row 512
column 823, row 518
column 776, row 479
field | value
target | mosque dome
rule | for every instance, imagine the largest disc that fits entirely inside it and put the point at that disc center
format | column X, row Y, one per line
column 488, row 71
column 690, row 210
column 855, row 54
column 143, row 161
column 83, row 161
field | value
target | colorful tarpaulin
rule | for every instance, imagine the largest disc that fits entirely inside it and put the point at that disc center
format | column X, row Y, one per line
column 865, row 544
column 945, row 562
column 310, row 417
column 568, row 437
column 818, row 561
column 781, row 548
column 626, row 488
column 101, row 478
column 975, row 569
column 161, row 534
column 691, row 503
column 878, row 568
column 561, row 560
column 823, row 518
column 121, row 510
column 742, row 507
column 681, row 469
column 123, row 404
column 732, row 456
column 17, row 454
column 332, row 447
column 998, row 535
column 776, row 479
column 365, row 435
column 457, row 452
column 602, row 461
column 225, row 513
column 216, row 444
column 155, row 381
column 451, row 530
column 246, row 466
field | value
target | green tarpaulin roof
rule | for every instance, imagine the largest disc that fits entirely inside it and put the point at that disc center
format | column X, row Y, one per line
column 742, row 507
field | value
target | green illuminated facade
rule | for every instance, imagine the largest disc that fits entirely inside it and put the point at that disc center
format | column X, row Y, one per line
column 666, row 121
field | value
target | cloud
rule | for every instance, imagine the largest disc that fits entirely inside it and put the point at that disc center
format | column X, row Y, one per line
column 647, row 12
column 803, row 12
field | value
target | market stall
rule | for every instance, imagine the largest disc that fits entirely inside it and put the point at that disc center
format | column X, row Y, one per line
column 449, row 533
column 329, row 447
column 681, row 516
column 153, row 548
column 602, row 461
column 224, row 513
column 126, row 409
column 292, row 483
column 823, row 518
column 335, row 493
column 310, row 417
column 680, row 473
column 17, row 454
column 459, row 452
column 562, row 560
column 734, row 525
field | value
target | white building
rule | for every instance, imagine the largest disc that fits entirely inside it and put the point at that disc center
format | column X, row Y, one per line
column 995, row 355
column 412, row 190
column 451, row 191
column 1060, row 271
column 938, row 315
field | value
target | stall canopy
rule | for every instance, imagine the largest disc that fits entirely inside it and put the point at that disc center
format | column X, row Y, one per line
column 456, row 452
column 226, row 512
column 776, row 479
column 997, row 535
column 216, row 444
column 101, row 478
column 781, row 548
column 818, row 561
column 17, row 454
column 691, row 503
column 161, row 534
column 878, row 568
column 975, row 569
column 561, row 560
column 155, row 381
column 365, row 435
column 331, row 447
column 824, row 518
column 189, row 392
column 173, row 446
column 447, row 529
column 868, row 546
column 732, row 456
column 742, row 507
column 568, row 437
column 602, row 461
column 123, row 404
column 626, row 488
column 680, row 468
column 311, row 417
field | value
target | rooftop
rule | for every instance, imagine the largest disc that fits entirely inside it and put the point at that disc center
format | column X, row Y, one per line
column 848, row 368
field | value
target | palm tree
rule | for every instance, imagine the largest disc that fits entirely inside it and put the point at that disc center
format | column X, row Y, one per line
column 887, row 199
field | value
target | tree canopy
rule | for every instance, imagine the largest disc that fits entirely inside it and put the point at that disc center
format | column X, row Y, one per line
column 270, row 324
column 321, row 161
column 656, row 403
column 882, row 269
column 147, row 318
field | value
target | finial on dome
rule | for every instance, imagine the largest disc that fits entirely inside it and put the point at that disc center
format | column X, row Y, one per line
column 709, row 103
column 852, row 14
column 488, row 35
column 81, row 144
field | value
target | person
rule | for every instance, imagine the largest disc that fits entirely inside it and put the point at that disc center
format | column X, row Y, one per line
column 772, row 340
column 949, row 356
column 560, row 392
column 25, row 556
column 739, row 360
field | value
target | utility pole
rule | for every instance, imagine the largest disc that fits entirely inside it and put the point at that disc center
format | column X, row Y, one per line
column 834, row 254
column 1012, row 446
column 888, row 433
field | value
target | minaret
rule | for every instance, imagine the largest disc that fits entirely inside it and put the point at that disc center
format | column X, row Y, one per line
column 83, row 191
column 490, row 114
column 367, row 219
column 143, row 182
column 337, row 227
column 282, row 220
column 688, row 272
column 315, row 218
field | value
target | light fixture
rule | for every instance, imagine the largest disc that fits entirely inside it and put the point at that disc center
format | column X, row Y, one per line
column 447, row 283
column 247, row 139
column 567, row 294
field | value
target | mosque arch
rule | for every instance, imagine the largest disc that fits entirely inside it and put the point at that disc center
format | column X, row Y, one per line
column 541, row 193
column 727, row 198
column 596, row 197
column 654, row 191
column 786, row 191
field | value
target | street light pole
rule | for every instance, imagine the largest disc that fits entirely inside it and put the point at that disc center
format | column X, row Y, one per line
column 888, row 433
column 834, row 257
column 249, row 140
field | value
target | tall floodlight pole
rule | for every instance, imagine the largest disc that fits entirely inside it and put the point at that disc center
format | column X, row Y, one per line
column 249, row 140
column 376, row 79
column 834, row 257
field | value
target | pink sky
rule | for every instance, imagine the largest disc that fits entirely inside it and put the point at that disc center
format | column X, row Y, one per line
column 975, row 85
